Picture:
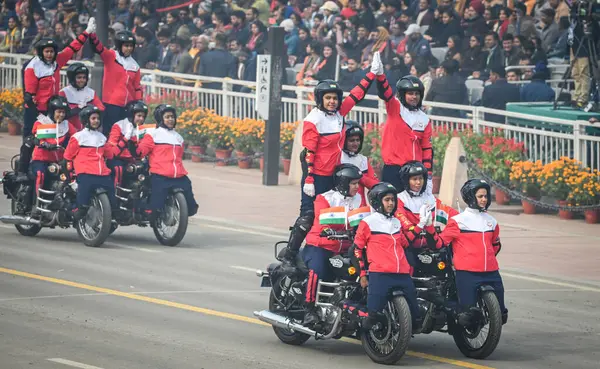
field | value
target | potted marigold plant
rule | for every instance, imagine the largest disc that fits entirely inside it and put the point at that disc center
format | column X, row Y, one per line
column 440, row 139
column 585, row 190
column 288, row 131
column 12, row 103
column 191, row 126
column 554, row 181
column 524, row 177
column 220, row 137
column 245, row 134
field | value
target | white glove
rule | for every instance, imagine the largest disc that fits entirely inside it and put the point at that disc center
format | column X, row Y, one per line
column 424, row 216
column 309, row 189
column 376, row 64
column 429, row 219
column 91, row 26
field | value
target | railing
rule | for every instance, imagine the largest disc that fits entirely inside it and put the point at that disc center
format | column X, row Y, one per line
column 545, row 139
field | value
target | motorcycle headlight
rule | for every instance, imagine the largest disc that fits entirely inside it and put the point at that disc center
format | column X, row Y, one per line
column 141, row 178
column 441, row 265
column 63, row 177
column 53, row 168
column 130, row 168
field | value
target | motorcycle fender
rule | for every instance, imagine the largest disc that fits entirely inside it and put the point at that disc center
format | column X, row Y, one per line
column 100, row 190
column 485, row 288
column 175, row 190
column 266, row 281
column 396, row 293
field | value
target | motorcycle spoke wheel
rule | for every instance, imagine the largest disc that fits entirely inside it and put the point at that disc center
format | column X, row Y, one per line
column 168, row 221
column 94, row 227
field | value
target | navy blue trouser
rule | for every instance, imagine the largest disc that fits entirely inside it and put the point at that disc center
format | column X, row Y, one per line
column 160, row 191
column 391, row 174
column 317, row 262
column 87, row 183
column 29, row 117
column 117, row 166
column 380, row 286
column 467, row 284
column 322, row 185
column 38, row 171
column 112, row 114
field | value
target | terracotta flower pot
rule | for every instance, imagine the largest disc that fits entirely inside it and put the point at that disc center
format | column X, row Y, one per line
column 502, row 198
column 565, row 214
column 243, row 163
column 436, row 181
column 262, row 163
column 591, row 216
column 286, row 166
column 224, row 155
column 197, row 150
column 528, row 208
column 14, row 128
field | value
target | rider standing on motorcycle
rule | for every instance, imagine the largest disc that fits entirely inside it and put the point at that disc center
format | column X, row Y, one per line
column 407, row 130
column 122, row 132
column 334, row 211
column 351, row 155
column 41, row 77
column 381, row 235
column 413, row 205
column 85, row 155
column 78, row 94
column 122, row 77
column 164, row 147
column 475, row 238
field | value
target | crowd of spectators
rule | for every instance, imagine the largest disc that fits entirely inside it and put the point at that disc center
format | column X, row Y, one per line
column 221, row 38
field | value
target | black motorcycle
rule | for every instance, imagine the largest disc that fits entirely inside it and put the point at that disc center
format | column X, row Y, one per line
column 133, row 197
column 438, row 304
column 54, row 205
column 341, row 307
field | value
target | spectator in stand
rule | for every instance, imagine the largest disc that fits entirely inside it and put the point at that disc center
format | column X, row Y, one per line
column 165, row 56
column 12, row 39
column 352, row 75
column 498, row 94
column 425, row 14
column 513, row 75
column 291, row 36
column 454, row 46
column 303, row 41
column 558, row 52
column 258, row 37
column 217, row 62
column 510, row 52
column 527, row 73
column 326, row 69
column 503, row 22
column 538, row 89
column 449, row 88
column 390, row 12
column 561, row 9
column 549, row 31
column 495, row 57
column 525, row 25
column 416, row 44
column 474, row 59
column 28, row 33
column 145, row 53
column 240, row 30
column 182, row 60
column 474, row 24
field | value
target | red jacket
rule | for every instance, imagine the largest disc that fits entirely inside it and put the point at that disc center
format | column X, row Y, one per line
column 76, row 98
column 122, row 76
column 475, row 239
column 323, row 134
column 385, row 244
column 87, row 150
column 323, row 207
column 45, row 130
column 369, row 179
column 408, row 214
column 406, row 134
column 165, row 152
column 121, row 132
column 42, row 80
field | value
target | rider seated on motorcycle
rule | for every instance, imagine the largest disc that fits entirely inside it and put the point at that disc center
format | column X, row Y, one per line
column 85, row 155
column 50, row 135
column 414, row 204
column 164, row 147
column 335, row 210
column 380, row 234
column 475, row 238
column 122, row 132
column 355, row 136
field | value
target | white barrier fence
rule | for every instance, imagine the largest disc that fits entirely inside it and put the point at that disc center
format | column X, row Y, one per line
column 545, row 138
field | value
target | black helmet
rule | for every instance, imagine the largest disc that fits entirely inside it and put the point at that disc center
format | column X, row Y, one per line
column 324, row 87
column 411, row 169
column 44, row 43
column 470, row 188
column 159, row 113
column 136, row 106
column 343, row 175
column 354, row 129
column 377, row 194
column 406, row 84
column 123, row 37
column 85, row 114
column 73, row 70
column 57, row 102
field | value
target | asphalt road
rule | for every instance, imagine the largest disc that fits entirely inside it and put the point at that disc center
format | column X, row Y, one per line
column 136, row 304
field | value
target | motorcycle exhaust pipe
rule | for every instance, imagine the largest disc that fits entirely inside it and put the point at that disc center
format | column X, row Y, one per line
column 19, row 220
column 285, row 323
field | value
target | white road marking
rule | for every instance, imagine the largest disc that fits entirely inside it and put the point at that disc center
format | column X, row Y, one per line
column 73, row 364
column 120, row 245
column 541, row 290
column 551, row 282
column 243, row 268
column 243, row 230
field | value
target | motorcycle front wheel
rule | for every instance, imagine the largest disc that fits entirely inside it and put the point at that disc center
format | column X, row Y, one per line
column 94, row 227
column 24, row 230
column 171, row 225
column 387, row 344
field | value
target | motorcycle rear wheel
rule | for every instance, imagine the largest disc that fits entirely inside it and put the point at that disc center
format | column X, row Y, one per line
column 399, row 311
column 491, row 309
column 177, row 205
column 27, row 231
column 286, row 336
column 102, row 203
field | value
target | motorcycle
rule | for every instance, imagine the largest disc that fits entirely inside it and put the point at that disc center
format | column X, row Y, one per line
column 438, row 303
column 133, row 197
column 54, row 205
column 341, row 308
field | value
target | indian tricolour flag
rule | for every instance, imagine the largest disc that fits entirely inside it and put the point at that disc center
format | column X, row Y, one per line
column 335, row 215
column 356, row 215
column 441, row 217
column 145, row 128
column 46, row 131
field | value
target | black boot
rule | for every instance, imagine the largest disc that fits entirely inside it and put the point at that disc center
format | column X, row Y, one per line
column 374, row 322
column 297, row 235
column 504, row 317
column 470, row 317
column 310, row 316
